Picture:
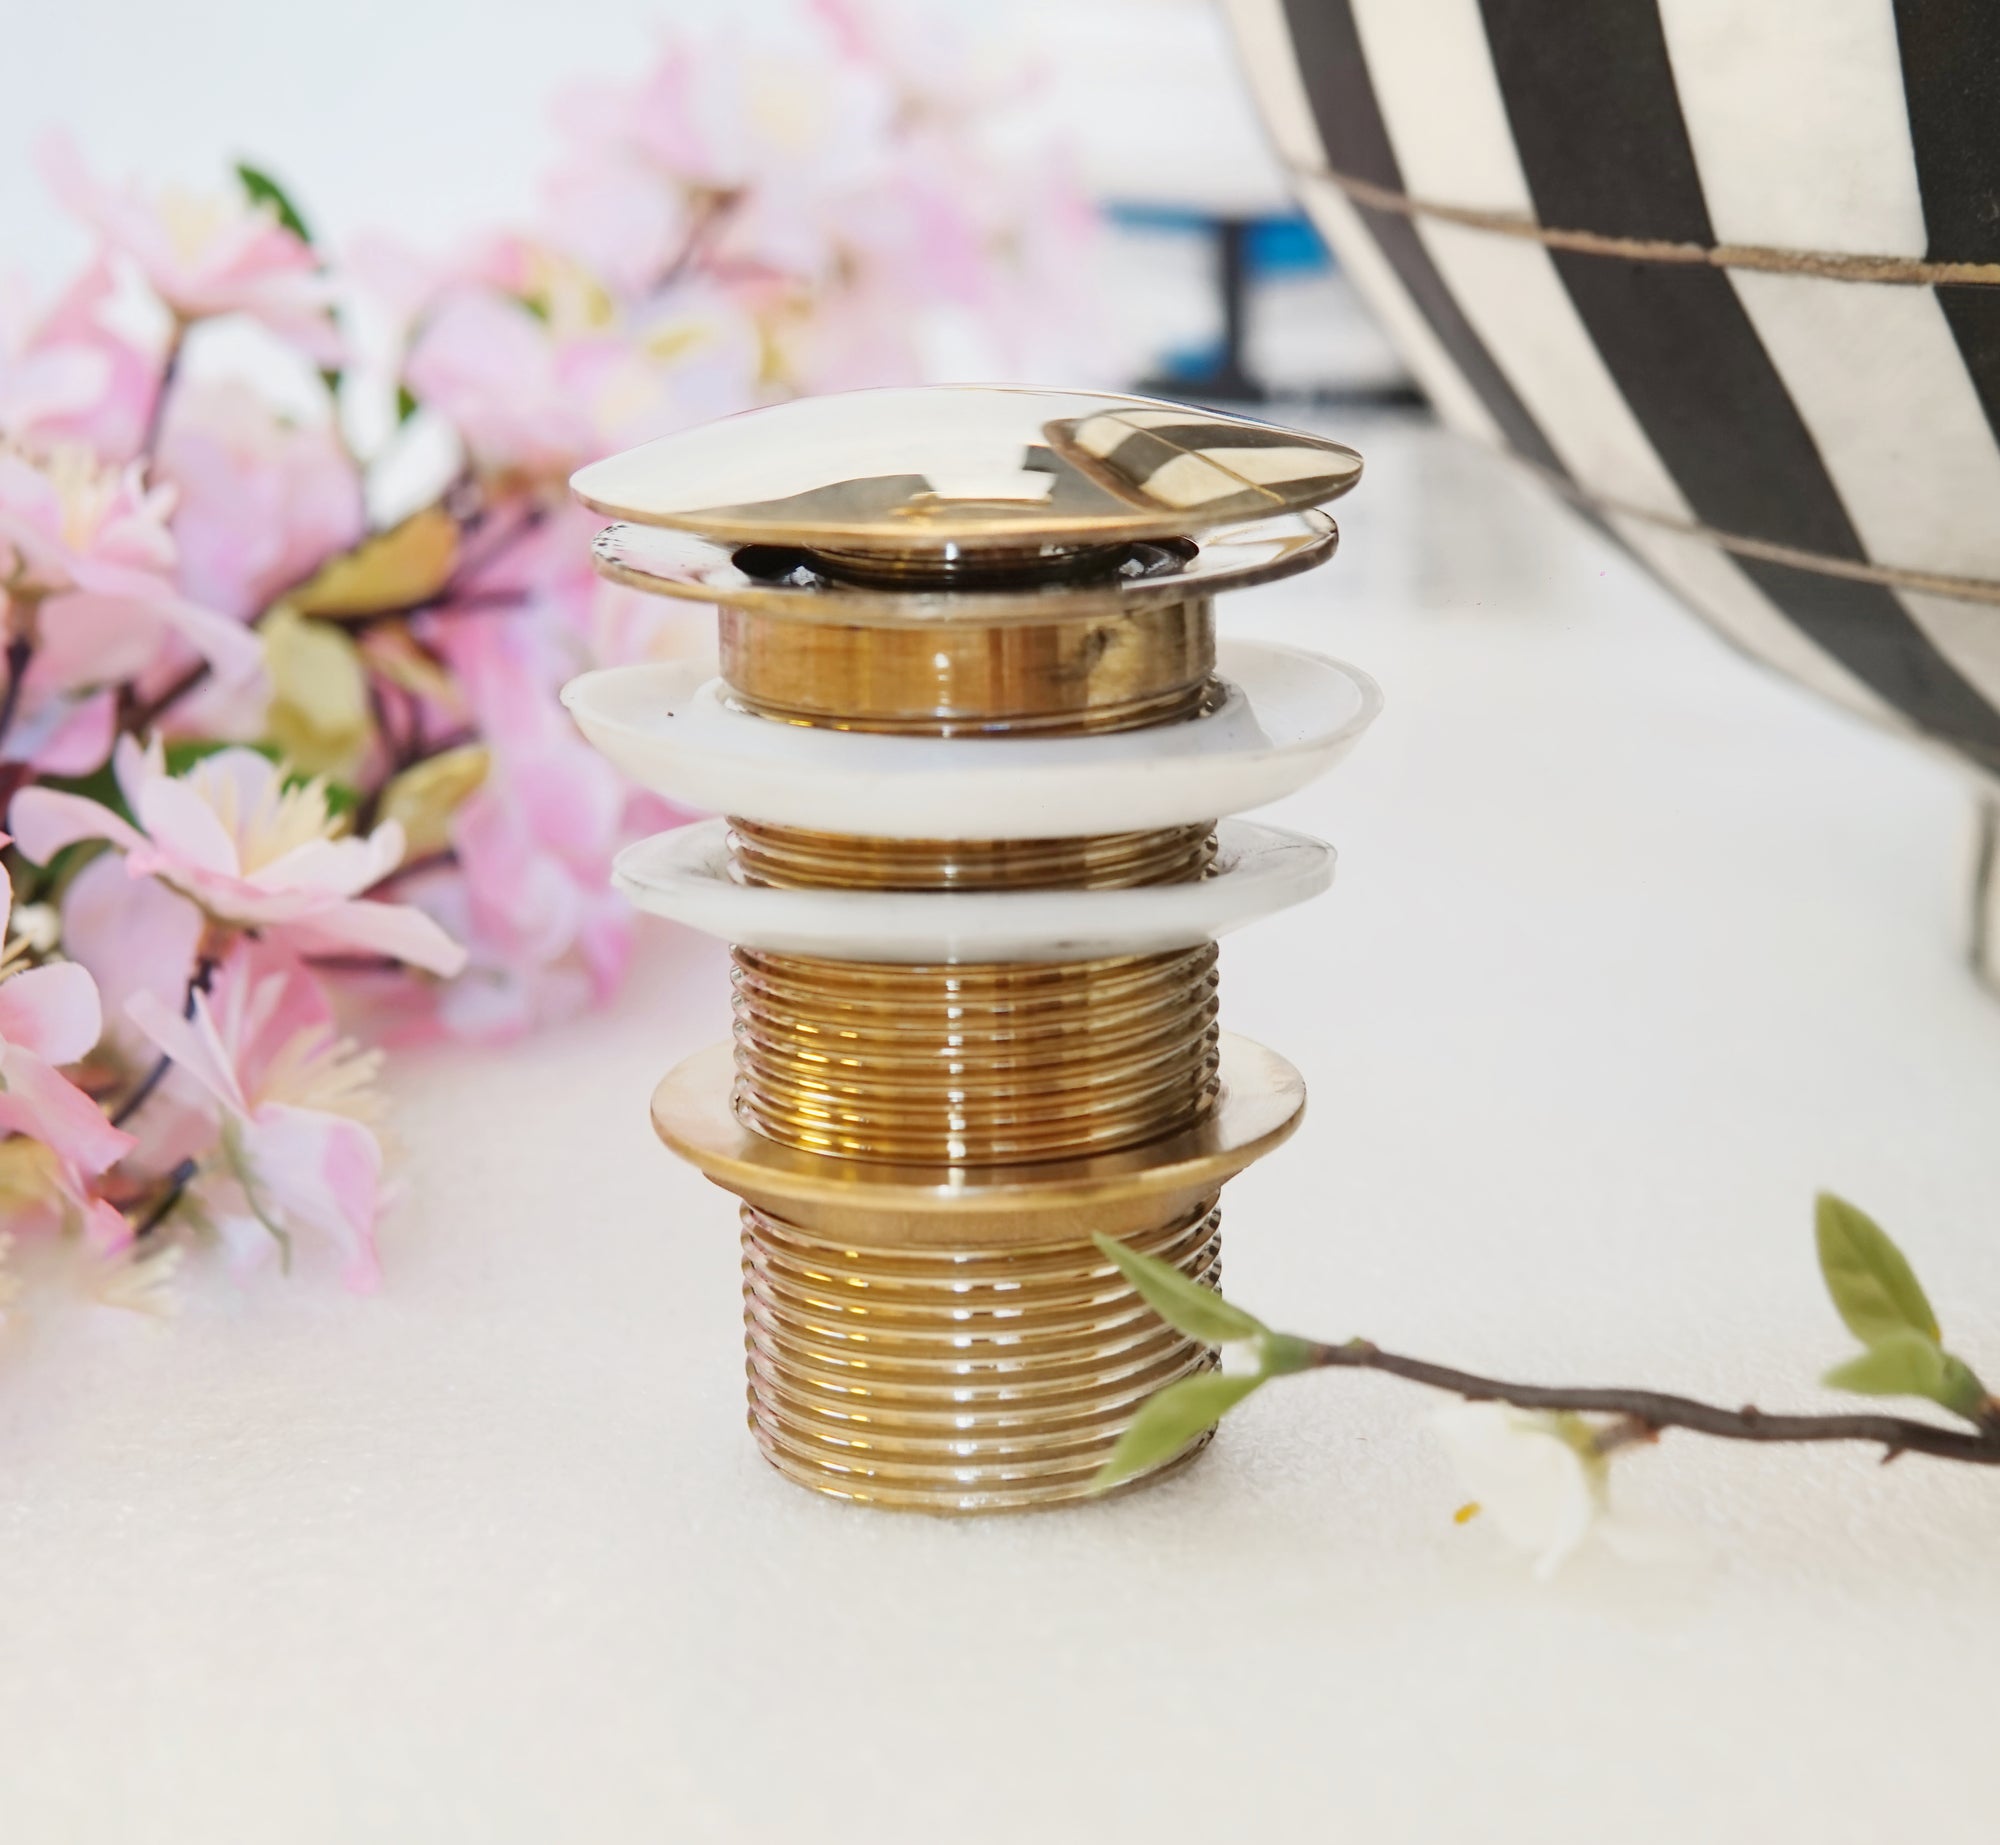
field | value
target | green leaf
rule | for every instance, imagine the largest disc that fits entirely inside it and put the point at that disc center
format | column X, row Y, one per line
column 184, row 752
column 1185, row 1305
column 264, row 190
column 1280, row 1354
column 1873, row 1287
column 406, row 404
column 1170, row 1420
column 340, row 797
column 1907, row 1364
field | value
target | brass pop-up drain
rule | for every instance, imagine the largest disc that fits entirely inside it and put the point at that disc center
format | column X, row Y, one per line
column 973, row 734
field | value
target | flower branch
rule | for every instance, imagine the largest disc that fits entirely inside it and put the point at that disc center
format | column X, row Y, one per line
column 243, row 715
column 1565, row 1436
column 1647, row 1412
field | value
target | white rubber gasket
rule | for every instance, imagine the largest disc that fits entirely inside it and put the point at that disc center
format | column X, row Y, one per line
column 1287, row 718
column 684, row 875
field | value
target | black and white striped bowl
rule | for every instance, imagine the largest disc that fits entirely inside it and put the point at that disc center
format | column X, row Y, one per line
column 1727, row 275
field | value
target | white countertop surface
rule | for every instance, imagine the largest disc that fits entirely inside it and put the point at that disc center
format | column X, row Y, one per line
column 1632, row 948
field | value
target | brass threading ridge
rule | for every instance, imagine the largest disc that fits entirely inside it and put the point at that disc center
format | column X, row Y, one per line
column 961, row 1381
column 791, row 858
column 974, row 1065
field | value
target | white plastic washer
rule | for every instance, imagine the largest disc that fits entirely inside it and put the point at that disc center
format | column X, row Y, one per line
column 1287, row 718
column 684, row 875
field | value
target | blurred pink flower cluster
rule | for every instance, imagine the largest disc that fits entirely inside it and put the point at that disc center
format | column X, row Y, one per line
column 290, row 580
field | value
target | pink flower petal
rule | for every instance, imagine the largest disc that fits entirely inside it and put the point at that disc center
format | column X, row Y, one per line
column 231, row 649
column 193, row 1044
column 185, row 827
column 398, row 930
column 44, row 820
column 39, row 1102
column 336, row 867
column 52, row 1011
column 322, row 1171
column 105, row 1228
column 133, row 935
column 134, row 767
column 81, row 742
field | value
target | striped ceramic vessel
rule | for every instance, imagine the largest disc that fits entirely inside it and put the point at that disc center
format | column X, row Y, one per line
column 1727, row 274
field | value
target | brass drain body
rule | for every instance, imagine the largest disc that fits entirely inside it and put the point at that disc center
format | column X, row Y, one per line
column 924, row 1143
column 966, row 1379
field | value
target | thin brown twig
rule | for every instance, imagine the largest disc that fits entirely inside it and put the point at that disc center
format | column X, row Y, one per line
column 1656, row 1410
column 470, row 563
column 143, row 717
column 170, row 366
column 715, row 211
column 175, row 1190
column 199, row 981
column 20, row 651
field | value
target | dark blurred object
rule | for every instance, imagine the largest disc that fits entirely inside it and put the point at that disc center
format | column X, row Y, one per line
column 1249, row 254
column 1214, row 285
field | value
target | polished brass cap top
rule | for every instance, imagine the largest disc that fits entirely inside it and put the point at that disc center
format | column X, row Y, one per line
column 961, row 471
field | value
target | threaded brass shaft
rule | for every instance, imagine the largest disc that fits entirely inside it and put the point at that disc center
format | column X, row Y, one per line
column 981, row 1065
column 793, row 859
column 962, row 1382
column 978, row 1379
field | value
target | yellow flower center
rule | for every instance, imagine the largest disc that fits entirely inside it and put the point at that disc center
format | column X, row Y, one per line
column 84, row 492
column 277, row 820
column 194, row 220
column 332, row 1075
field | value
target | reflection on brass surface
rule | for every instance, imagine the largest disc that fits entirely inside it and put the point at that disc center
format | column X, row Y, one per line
column 792, row 583
column 1259, row 1101
column 955, row 1381
column 971, row 1065
column 1110, row 672
column 948, row 468
column 1208, row 469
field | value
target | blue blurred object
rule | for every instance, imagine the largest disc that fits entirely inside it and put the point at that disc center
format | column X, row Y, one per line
column 1248, row 251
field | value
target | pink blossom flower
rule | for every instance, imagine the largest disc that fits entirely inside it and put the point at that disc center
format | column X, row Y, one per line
column 89, row 547
column 294, row 1100
column 134, row 936
column 260, row 502
column 779, row 122
column 831, row 180
column 546, row 934
column 540, row 393
column 251, row 851
column 60, row 734
column 44, row 1195
column 217, row 253
column 50, row 1016
column 517, row 398
column 67, row 376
